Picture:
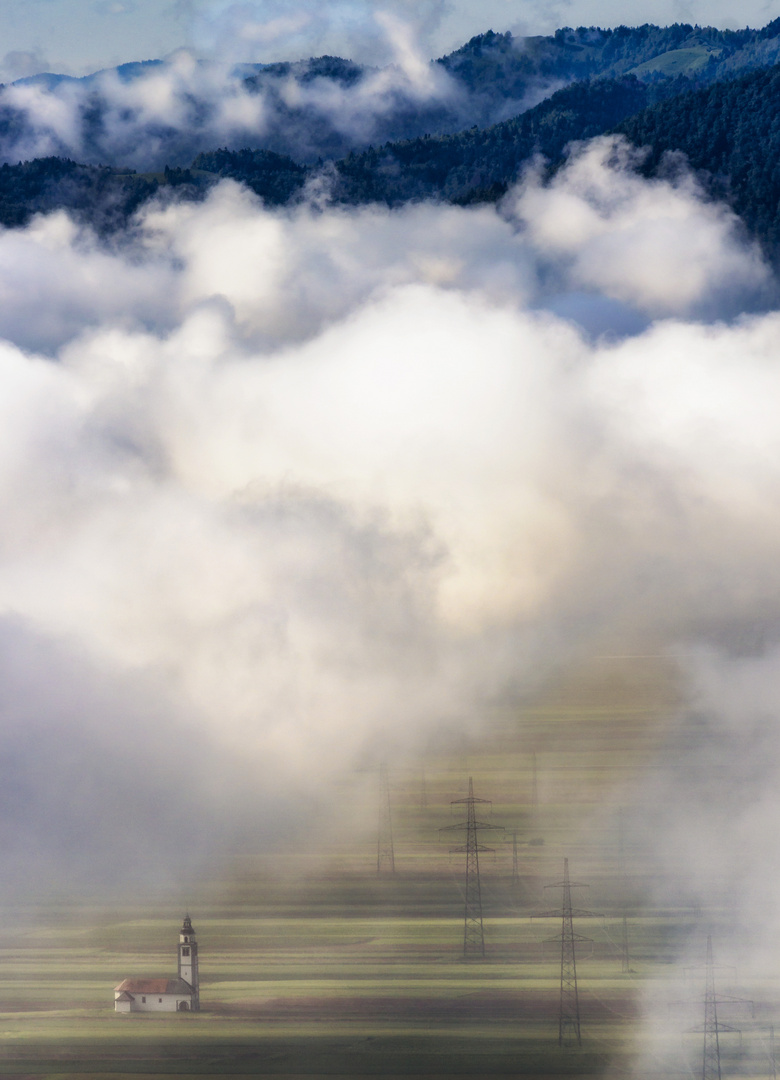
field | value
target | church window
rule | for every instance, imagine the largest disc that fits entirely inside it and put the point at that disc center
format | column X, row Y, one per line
column 143, row 1000
column 185, row 952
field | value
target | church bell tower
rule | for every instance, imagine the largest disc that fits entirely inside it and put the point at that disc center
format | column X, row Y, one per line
column 188, row 959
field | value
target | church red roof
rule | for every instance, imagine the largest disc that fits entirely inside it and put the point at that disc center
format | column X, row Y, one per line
column 153, row 986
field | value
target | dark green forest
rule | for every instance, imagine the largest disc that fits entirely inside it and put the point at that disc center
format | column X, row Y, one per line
column 500, row 63
column 478, row 165
column 104, row 198
column 730, row 134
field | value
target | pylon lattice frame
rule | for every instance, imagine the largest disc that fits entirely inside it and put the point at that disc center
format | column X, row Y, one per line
column 711, row 1059
column 624, row 948
column 534, row 797
column 385, row 853
column 713, row 1025
column 473, row 929
column 625, row 963
column 569, row 1028
column 772, row 1056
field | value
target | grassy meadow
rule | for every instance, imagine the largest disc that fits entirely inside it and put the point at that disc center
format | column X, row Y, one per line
column 312, row 965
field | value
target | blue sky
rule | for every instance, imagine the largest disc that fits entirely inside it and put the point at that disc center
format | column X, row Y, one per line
column 78, row 36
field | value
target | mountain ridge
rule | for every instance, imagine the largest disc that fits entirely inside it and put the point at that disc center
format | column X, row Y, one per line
column 720, row 123
column 327, row 106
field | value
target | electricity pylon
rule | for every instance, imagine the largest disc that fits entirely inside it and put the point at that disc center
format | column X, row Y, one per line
column 515, row 867
column 713, row 1026
column 711, row 1061
column 772, row 1056
column 534, row 797
column 569, row 1008
column 626, row 961
column 473, row 931
column 385, row 855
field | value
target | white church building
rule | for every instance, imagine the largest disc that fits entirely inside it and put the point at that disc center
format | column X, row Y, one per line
column 181, row 994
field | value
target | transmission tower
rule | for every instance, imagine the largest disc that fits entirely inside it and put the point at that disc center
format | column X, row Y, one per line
column 473, row 932
column 711, row 1062
column 515, row 868
column 423, row 788
column 713, row 1026
column 534, row 797
column 625, row 958
column 569, row 1009
column 385, row 856
column 772, row 1055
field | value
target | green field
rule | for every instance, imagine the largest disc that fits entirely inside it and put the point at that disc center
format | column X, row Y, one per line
column 678, row 62
column 310, row 996
column 312, row 965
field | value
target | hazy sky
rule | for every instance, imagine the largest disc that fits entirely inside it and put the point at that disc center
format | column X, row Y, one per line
column 83, row 35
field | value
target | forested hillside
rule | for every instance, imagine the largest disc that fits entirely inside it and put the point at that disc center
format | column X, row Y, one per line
column 478, row 165
column 470, row 166
column 146, row 115
column 729, row 129
column 103, row 198
column 500, row 63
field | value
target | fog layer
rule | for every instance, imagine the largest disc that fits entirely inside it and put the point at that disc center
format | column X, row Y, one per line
column 281, row 487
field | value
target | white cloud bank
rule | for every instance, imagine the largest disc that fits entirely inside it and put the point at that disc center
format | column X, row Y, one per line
column 291, row 485
column 379, row 31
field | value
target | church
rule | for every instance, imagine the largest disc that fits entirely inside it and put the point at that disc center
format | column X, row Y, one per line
column 181, row 994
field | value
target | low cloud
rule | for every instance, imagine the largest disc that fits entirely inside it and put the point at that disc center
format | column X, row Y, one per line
column 18, row 64
column 114, row 7
column 657, row 245
column 295, row 485
column 229, row 90
column 167, row 113
column 270, row 30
